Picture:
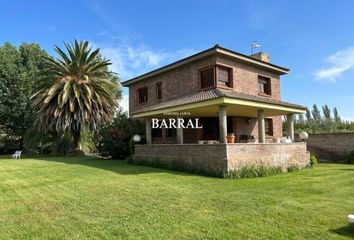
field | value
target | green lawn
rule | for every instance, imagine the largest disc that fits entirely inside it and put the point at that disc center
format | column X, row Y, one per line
column 70, row 198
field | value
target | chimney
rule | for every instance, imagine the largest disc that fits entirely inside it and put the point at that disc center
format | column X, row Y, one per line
column 261, row 56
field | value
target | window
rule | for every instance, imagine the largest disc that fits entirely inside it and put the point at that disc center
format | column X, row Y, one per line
column 158, row 90
column 207, row 78
column 264, row 85
column 224, row 76
column 171, row 132
column 143, row 95
column 268, row 126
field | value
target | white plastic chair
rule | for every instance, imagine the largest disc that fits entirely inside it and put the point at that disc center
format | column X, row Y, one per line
column 17, row 155
column 351, row 218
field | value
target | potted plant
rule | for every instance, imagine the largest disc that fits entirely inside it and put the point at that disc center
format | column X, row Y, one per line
column 230, row 138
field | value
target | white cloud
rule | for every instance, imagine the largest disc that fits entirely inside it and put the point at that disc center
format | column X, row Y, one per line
column 129, row 61
column 340, row 62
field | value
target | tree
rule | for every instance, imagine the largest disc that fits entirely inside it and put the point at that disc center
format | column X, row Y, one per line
column 308, row 115
column 336, row 116
column 19, row 73
column 326, row 112
column 77, row 92
column 316, row 114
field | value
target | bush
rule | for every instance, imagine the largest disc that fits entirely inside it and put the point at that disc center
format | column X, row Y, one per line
column 293, row 168
column 351, row 157
column 253, row 171
column 313, row 160
column 115, row 139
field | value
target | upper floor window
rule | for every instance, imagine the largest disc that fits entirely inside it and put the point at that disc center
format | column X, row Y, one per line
column 216, row 75
column 264, row 85
column 143, row 95
column 223, row 76
column 159, row 90
column 207, row 78
column 268, row 125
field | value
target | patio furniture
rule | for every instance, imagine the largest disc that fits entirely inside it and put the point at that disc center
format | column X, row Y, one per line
column 351, row 218
column 244, row 138
column 17, row 155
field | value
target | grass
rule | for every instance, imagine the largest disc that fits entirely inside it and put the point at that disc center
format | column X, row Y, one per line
column 72, row 198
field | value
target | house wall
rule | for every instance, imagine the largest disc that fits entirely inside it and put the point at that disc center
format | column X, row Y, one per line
column 176, row 83
column 185, row 80
column 216, row 159
column 245, row 78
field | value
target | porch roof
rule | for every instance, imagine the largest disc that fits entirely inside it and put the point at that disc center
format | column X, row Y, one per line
column 205, row 103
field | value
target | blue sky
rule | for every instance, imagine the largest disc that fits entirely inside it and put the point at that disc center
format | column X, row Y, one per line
column 315, row 39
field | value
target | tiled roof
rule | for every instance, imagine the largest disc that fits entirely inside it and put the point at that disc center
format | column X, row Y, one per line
column 208, row 52
column 214, row 94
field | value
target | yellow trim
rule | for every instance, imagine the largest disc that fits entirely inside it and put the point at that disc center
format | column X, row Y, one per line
column 263, row 105
column 222, row 100
column 180, row 107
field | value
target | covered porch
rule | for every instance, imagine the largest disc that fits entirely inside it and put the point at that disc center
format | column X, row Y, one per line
column 261, row 121
column 228, row 112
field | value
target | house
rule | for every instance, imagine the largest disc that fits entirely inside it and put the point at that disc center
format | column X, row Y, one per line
column 231, row 94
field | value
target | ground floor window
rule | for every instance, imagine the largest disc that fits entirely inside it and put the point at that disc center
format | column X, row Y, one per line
column 268, row 126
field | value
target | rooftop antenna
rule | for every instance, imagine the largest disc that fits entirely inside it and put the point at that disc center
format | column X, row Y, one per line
column 255, row 44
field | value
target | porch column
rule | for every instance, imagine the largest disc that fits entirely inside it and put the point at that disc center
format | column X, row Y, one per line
column 179, row 135
column 261, row 126
column 222, row 124
column 290, row 120
column 148, row 130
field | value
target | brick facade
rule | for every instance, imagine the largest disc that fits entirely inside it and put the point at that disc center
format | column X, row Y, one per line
column 185, row 80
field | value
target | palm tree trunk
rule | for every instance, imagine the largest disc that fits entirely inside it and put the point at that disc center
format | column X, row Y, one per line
column 76, row 133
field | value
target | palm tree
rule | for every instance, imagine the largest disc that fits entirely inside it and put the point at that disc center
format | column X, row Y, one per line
column 77, row 92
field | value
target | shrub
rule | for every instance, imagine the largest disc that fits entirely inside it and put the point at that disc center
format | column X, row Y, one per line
column 115, row 139
column 293, row 168
column 351, row 157
column 313, row 160
column 253, row 171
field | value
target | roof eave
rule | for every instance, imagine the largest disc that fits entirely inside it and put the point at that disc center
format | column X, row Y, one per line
column 210, row 51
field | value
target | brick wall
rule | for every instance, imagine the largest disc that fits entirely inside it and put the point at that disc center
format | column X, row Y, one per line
column 283, row 155
column 218, row 158
column 332, row 147
column 246, row 78
column 210, row 159
column 178, row 82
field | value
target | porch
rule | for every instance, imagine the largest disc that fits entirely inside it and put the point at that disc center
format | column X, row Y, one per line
column 228, row 113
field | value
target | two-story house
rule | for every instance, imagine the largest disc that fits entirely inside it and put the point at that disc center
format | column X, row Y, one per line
column 231, row 93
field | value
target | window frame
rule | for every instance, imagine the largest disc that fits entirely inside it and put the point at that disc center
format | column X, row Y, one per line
column 138, row 95
column 201, row 80
column 268, row 85
column 159, row 90
column 216, row 84
column 268, row 124
column 230, row 81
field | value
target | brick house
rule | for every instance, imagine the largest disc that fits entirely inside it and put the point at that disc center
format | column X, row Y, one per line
column 230, row 93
